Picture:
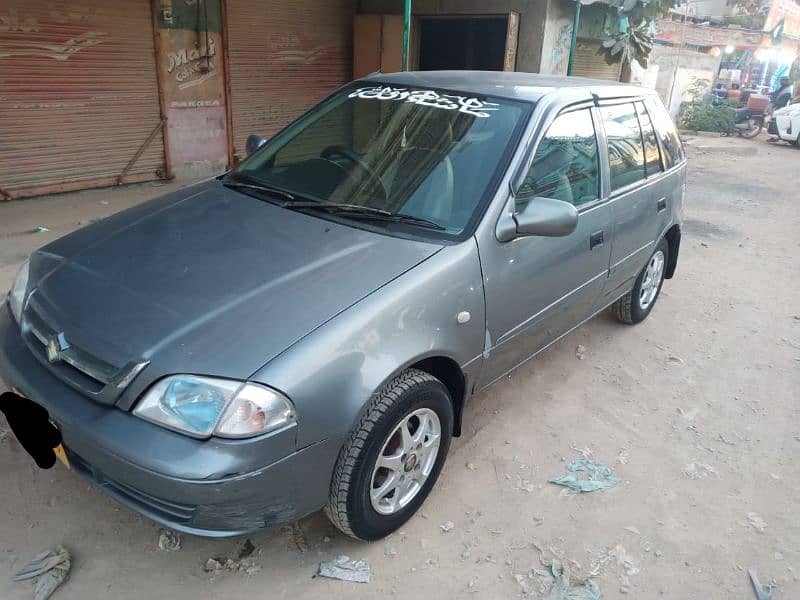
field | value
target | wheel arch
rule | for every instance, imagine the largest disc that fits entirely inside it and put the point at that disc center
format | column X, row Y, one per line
column 446, row 370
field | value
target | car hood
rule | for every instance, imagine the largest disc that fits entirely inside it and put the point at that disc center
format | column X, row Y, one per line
column 208, row 280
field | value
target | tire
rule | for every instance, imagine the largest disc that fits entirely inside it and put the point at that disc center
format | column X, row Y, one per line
column 413, row 398
column 749, row 134
column 632, row 308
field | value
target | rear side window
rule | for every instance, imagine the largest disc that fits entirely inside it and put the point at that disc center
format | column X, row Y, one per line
column 566, row 165
column 665, row 130
column 652, row 158
column 625, row 147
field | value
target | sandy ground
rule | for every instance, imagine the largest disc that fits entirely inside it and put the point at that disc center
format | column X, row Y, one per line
column 696, row 410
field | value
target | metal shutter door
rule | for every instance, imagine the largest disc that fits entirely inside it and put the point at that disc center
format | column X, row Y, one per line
column 590, row 61
column 78, row 96
column 283, row 57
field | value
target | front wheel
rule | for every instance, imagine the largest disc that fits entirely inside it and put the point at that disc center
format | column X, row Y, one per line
column 393, row 457
column 634, row 306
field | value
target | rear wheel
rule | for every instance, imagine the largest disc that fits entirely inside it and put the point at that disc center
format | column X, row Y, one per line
column 634, row 306
column 754, row 127
column 393, row 458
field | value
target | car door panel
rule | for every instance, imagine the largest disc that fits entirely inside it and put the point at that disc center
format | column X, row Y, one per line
column 538, row 288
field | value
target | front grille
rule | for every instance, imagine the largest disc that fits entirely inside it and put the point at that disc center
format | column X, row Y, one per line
column 170, row 511
column 76, row 367
column 89, row 366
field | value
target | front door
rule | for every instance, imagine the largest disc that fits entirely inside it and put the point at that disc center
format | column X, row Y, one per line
column 538, row 288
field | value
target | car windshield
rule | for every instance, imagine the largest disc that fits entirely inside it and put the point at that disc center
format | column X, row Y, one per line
column 425, row 156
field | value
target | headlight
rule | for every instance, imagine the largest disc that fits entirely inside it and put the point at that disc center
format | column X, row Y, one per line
column 16, row 297
column 202, row 406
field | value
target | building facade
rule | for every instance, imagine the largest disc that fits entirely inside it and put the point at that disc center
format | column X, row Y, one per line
column 96, row 93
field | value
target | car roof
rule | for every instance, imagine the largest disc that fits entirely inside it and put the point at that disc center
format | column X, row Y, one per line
column 516, row 85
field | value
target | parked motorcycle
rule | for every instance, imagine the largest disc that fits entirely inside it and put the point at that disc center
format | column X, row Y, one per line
column 749, row 122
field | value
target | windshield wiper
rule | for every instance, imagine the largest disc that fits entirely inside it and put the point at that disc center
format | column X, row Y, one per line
column 356, row 211
column 261, row 188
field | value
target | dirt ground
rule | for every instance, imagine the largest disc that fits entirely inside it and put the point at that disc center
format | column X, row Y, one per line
column 696, row 410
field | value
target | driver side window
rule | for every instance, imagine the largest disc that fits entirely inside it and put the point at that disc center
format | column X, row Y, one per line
column 566, row 163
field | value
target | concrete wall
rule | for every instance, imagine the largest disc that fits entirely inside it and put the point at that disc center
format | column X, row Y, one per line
column 531, row 22
column 557, row 37
column 691, row 65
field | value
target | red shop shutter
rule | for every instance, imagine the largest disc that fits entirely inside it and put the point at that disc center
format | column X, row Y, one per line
column 78, row 95
column 283, row 57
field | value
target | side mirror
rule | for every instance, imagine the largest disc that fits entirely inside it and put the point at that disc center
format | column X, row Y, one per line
column 254, row 142
column 541, row 216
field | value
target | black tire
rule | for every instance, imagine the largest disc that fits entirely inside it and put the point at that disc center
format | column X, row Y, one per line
column 749, row 134
column 349, row 506
column 628, row 309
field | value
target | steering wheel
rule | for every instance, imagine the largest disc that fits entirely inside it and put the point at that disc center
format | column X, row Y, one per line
column 349, row 154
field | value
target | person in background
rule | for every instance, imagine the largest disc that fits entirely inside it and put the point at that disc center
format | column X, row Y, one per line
column 780, row 98
column 734, row 94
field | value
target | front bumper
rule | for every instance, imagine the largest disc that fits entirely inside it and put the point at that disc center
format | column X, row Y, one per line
column 193, row 486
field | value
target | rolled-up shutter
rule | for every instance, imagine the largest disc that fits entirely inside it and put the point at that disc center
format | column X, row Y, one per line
column 590, row 61
column 78, row 96
column 283, row 57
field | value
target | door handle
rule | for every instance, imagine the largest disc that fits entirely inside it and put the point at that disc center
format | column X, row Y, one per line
column 661, row 205
column 596, row 239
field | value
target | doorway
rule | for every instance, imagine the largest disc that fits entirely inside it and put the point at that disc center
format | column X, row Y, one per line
column 465, row 43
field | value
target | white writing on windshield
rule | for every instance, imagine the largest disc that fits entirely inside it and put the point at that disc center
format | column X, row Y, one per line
column 470, row 106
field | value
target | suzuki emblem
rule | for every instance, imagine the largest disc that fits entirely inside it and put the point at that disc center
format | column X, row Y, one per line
column 53, row 350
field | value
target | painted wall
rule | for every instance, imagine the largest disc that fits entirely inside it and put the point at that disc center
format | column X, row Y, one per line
column 531, row 23
column 557, row 37
column 691, row 65
column 191, row 72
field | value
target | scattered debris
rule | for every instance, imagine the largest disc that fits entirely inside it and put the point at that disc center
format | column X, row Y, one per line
column 247, row 549
column 326, row 539
column 599, row 477
column 619, row 556
column 632, row 529
column 168, row 540
column 345, row 569
column 49, row 568
column 756, row 522
column 580, row 352
column 447, row 526
column 585, row 452
column 299, row 537
column 471, row 466
column 566, row 589
column 624, row 456
column 700, row 471
column 761, row 593
column 212, row 565
column 525, row 485
column 40, row 229
column 390, row 551
column 219, row 564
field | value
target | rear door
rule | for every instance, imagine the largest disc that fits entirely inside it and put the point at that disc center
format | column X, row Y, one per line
column 538, row 288
column 636, row 206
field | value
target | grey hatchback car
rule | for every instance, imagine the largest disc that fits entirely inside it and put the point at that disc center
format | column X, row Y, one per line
column 303, row 331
